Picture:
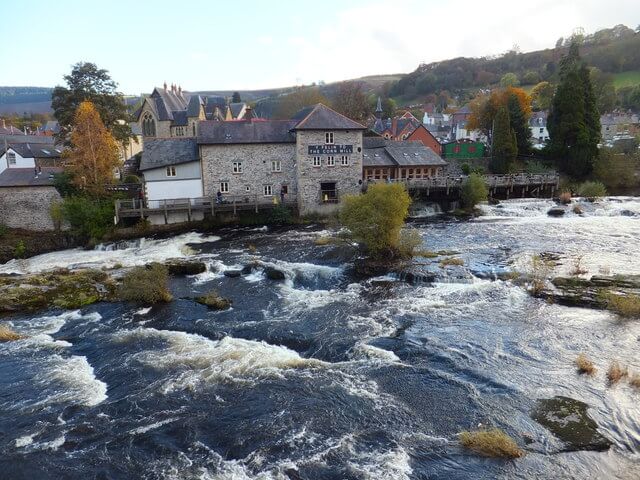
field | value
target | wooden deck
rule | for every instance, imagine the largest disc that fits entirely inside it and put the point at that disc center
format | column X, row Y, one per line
column 230, row 204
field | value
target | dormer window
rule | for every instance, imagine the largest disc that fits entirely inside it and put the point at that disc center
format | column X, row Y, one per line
column 328, row 138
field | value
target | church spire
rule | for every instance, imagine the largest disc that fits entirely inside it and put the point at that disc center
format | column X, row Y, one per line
column 379, row 108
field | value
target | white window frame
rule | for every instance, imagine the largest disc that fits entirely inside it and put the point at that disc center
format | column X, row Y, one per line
column 267, row 190
column 237, row 167
column 331, row 161
column 11, row 158
column 224, row 187
column 276, row 166
column 317, row 161
column 247, row 188
column 171, row 171
column 345, row 161
column 328, row 138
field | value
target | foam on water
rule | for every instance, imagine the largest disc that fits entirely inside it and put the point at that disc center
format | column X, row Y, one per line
column 363, row 350
column 128, row 254
column 213, row 361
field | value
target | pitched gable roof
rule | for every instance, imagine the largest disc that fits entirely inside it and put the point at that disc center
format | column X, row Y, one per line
column 382, row 152
column 237, row 132
column 160, row 152
column 321, row 117
column 27, row 177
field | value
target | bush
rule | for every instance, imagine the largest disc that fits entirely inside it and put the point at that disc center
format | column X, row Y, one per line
column 474, row 191
column 146, row 284
column 89, row 219
column 56, row 212
column 63, row 182
column 3, row 230
column 592, row 190
column 131, row 179
column 623, row 305
column 491, row 443
column 280, row 215
column 466, row 168
column 585, row 365
column 616, row 372
column 409, row 243
column 8, row 335
column 634, row 380
column 565, row 198
column 451, row 261
column 540, row 270
column 377, row 217
column 20, row 250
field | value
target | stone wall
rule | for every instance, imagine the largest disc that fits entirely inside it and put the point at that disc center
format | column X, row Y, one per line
column 348, row 179
column 27, row 207
column 217, row 167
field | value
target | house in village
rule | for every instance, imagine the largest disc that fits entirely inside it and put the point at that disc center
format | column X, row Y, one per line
column 29, row 155
column 619, row 125
column 538, row 127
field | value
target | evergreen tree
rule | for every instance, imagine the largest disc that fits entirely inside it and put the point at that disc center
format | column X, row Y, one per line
column 235, row 98
column 519, row 125
column 505, row 146
column 574, row 121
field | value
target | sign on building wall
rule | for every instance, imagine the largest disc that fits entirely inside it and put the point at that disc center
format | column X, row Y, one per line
column 329, row 149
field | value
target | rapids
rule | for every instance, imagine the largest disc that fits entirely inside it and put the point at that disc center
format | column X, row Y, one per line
column 325, row 375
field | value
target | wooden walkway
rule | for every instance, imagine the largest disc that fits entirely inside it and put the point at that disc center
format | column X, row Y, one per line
column 230, row 204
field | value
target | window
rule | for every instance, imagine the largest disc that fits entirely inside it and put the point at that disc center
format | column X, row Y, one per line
column 247, row 188
column 276, row 166
column 541, row 130
column 171, row 171
column 284, row 189
column 193, row 126
column 267, row 190
column 328, row 138
column 148, row 125
column 224, row 187
column 11, row 158
column 331, row 161
column 316, row 161
column 328, row 193
column 179, row 132
column 344, row 160
column 237, row 167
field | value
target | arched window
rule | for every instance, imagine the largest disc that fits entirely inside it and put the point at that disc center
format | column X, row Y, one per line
column 148, row 125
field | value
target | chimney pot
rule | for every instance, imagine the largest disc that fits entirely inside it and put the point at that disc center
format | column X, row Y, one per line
column 165, row 86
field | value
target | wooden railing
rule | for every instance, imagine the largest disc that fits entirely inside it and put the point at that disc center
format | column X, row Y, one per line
column 492, row 181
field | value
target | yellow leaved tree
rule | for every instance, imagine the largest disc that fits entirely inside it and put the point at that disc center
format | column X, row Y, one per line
column 93, row 156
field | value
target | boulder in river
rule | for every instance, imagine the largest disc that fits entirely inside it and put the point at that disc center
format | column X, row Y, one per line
column 232, row 273
column 179, row 266
column 273, row 273
column 569, row 420
column 214, row 301
column 556, row 212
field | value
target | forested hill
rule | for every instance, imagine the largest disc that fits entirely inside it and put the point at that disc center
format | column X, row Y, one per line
column 613, row 50
column 25, row 99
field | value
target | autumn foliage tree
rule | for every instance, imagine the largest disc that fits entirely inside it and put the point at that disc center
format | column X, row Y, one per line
column 351, row 102
column 300, row 98
column 93, row 156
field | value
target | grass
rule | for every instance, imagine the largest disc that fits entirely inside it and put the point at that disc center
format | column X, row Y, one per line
column 616, row 372
column 624, row 305
column 584, row 365
column 8, row 335
column 578, row 269
column 626, row 79
column 214, row 301
column 491, row 443
column 322, row 241
column 634, row 380
column 540, row 270
column 565, row 198
column 445, row 262
column 146, row 284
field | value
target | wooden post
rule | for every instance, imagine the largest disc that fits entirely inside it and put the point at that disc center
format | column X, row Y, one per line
column 141, row 209
column 255, row 196
column 117, row 209
column 166, row 214
column 188, row 209
column 234, row 207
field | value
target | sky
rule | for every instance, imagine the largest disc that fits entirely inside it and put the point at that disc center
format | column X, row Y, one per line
column 252, row 44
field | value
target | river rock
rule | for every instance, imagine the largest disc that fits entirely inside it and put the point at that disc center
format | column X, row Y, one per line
column 232, row 273
column 185, row 267
column 569, row 420
column 214, row 301
column 273, row 273
column 627, row 213
column 556, row 212
column 247, row 269
column 417, row 277
column 590, row 293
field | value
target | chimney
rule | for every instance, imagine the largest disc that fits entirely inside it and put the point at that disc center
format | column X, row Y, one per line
column 4, row 125
column 165, row 86
column 248, row 114
column 179, row 90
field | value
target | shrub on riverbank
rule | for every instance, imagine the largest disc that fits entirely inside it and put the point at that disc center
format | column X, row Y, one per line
column 565, row 198
column 473, row 192
column 8, row 335
column 616, row 372
column 451, row 261
column 491, row 443
column 584, row 365
column 376, row 218
column 634, row 380
column 148, row 284
column 592, row 190
column 623, row 305
column 90, row 219
column 409, row 243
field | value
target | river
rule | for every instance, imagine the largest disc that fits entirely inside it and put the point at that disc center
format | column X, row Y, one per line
column 325, row 375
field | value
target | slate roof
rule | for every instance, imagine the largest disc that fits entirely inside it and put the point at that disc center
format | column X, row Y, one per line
column 193, row 108
column 180, row 118
column 26, row 177
column 11, row 130
column 382, row 152
column 236, row 108
column 538, row 119
column 236, row 132
column 160, row 152
column 321, row 117
column 29, row 150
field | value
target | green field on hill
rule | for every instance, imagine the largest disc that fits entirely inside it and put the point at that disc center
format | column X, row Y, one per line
column 626, row 79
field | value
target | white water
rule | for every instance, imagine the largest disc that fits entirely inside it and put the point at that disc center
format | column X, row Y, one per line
column 127, row 254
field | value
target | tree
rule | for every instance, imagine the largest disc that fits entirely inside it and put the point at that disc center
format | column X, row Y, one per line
column 474, row 191
column 519, row 124
column 295, row 101
column 89, row 83
column 93, row 156
column 377, row 217
column 509, row 80
column 603, row 89
column 235, row 98
column 530, row 78
column 351, row 102
column 505, row 146
column 574, row 121
column 541, row 95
